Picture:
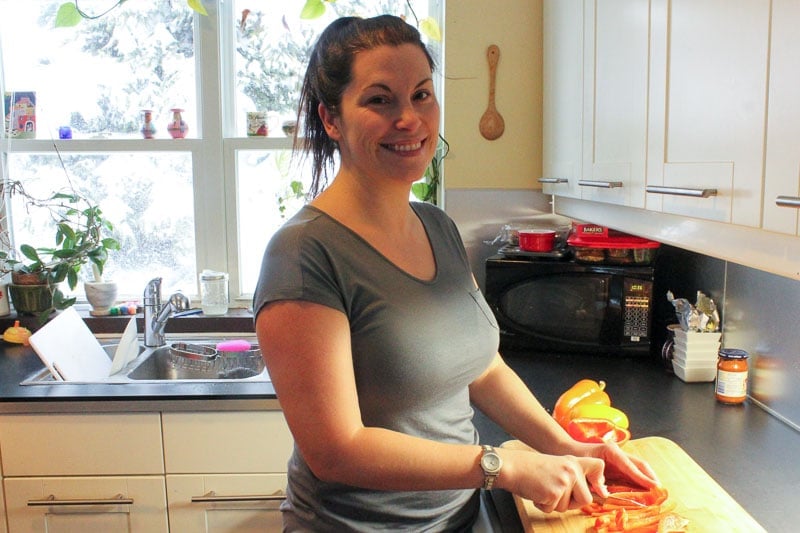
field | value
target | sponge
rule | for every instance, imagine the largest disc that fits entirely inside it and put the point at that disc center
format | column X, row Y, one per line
column 238, row 345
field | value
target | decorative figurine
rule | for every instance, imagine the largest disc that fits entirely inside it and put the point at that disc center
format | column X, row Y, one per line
column 177, row 127
column 148, row 128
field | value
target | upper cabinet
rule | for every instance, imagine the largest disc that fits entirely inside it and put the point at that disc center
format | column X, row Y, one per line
column 595, row 66
column 709, row 64
column 683, row 107
column 782, row 167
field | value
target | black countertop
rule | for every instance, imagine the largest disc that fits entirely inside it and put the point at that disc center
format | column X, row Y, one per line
column 749, row 452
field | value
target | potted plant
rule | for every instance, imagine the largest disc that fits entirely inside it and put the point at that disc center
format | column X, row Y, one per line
column 37, row 271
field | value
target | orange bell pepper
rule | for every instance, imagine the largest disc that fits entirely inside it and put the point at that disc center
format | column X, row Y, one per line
column 585, row 390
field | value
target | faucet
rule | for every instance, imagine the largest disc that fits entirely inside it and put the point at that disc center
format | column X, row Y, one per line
column 156, row 315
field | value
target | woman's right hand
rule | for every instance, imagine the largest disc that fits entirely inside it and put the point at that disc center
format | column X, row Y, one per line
column 552, row 482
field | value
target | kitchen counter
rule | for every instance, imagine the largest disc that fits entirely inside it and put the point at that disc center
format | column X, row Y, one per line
column 746, row 450
column 749, row 452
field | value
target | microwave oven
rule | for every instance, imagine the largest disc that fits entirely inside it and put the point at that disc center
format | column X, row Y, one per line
column 563, row 306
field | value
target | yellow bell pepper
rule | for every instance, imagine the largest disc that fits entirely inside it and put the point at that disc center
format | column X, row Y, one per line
column 600, row 412
column 586, row 390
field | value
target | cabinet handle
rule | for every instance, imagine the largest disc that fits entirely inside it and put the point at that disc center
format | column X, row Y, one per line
column 681, row 191
column 213, row 497
column 553, row 180
column 787, row 201
column 51, row 501
column 600, row 184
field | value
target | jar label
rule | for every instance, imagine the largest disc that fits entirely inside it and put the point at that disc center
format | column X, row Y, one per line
column 732, row 384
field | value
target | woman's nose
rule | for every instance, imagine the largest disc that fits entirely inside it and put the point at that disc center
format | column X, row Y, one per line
column 408, row 117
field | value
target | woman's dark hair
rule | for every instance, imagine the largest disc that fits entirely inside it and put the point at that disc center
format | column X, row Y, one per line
column 329, row 73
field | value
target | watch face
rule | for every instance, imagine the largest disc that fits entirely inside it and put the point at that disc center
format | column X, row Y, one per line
column 491, row 462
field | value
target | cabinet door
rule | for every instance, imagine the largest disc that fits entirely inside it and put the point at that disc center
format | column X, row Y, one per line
column 615, row 101
column 225, row 503
column 708, row 81
column 226, row 442
column 81, row 444
column 562, row 110
column 87, row 504
column 782, row 169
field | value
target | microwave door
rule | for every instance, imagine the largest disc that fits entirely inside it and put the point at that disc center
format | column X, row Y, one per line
column 562, row 310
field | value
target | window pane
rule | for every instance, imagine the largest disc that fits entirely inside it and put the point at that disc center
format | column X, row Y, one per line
column 98, row 76
column 267, row 198
column 272, row 48
column 147, row 197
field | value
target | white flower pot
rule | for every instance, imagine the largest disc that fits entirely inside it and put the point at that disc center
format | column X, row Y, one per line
column 101, row 296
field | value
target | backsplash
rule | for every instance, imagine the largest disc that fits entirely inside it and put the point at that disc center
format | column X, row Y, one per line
column 758, row 310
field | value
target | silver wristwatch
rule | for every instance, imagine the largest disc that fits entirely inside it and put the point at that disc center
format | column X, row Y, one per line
column 491, row 465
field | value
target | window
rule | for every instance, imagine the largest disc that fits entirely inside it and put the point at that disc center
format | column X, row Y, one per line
column 210, row 199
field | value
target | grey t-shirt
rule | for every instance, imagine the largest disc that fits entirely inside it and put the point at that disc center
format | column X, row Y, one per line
column 416, row 346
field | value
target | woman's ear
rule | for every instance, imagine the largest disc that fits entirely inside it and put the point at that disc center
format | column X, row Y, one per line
column 329, row 121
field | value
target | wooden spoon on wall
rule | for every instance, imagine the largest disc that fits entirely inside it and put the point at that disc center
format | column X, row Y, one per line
column 492, row 124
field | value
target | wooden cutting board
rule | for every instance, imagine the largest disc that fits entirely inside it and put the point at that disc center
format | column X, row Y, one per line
column 699, row 498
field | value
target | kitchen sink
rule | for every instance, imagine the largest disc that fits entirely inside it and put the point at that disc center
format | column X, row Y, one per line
column 186, row 360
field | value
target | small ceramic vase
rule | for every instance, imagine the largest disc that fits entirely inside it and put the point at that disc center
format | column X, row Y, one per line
column 177, row 127
column 148, row 128
column 101, row 295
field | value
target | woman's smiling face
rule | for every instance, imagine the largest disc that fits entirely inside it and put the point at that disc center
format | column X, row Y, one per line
column 388, row 121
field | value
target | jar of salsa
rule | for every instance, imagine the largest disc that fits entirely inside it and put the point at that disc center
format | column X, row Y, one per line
column 732, row 370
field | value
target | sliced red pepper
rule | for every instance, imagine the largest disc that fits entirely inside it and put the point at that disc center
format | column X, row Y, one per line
column 597, row 430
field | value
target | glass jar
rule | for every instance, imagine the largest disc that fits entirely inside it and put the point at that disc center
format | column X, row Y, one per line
column 732, row 370
column 214, row 292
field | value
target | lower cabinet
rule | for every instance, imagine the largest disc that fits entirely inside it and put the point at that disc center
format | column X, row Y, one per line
column 91, row 504
column 217, row 503
column 220, row 471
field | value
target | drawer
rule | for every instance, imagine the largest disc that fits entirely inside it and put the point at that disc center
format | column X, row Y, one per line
column 226, row 442
column 81, row 444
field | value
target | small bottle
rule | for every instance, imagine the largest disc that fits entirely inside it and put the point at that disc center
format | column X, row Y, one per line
column 732, row 370
column 214, row 292
column 148, row 128
column 177, row 127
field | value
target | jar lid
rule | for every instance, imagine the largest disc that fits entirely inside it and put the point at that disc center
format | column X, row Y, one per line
column 210, row 275
column 732, row 353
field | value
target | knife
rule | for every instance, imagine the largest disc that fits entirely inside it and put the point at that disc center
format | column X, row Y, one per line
column 612, row 499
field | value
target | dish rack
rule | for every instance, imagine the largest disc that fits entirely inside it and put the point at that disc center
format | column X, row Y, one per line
column 202, row 360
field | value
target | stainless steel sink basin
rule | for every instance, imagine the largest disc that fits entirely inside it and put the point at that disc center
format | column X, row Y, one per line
column 187, row 360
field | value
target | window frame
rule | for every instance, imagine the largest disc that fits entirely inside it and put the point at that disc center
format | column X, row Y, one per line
column 214, row 151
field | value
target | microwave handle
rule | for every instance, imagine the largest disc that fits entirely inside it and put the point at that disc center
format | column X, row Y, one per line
column 681, row 191
column 600, row 184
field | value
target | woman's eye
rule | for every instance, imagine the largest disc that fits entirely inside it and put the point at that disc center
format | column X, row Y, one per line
column 378, row 100
column 422, row 95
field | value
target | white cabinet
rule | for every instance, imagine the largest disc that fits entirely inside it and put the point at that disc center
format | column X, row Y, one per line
column 226, row 471
column 782, row 167
column 562, row 110
column 71, row 504
column 220, row 471
column 709, row 66
column 93, row 472
column 219, row 503
column 595, row 99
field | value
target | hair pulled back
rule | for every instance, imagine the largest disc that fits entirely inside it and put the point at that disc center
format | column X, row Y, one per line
column 329, row 72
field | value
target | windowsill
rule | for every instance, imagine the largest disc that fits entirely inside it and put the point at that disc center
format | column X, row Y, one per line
column 236, row 320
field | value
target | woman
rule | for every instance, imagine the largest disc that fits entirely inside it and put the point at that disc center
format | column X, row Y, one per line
column 374, row 331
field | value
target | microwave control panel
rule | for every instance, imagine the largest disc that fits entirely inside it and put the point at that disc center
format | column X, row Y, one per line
column 636, row 313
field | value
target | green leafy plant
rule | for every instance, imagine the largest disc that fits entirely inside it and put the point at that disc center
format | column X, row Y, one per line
column 70, row 14
column 80, row 238
column 427, row 190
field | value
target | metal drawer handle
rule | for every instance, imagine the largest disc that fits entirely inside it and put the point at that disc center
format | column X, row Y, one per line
column 601, row 184
column 213, row 497
column 787, row 201
column 51, row 501
column 553, row 180
column 681, row 191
